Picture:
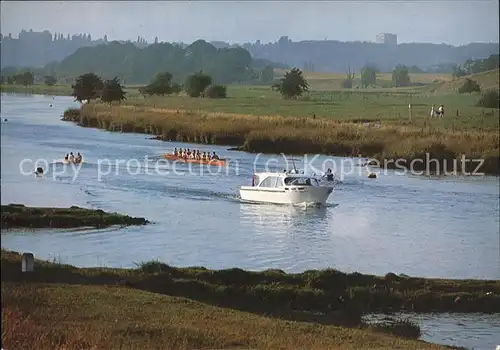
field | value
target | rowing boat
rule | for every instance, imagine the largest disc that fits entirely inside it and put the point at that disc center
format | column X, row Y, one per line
column 71, row 162
column 171, row 156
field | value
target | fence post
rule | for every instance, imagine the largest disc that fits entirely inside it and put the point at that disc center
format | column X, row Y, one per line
column 28, row 262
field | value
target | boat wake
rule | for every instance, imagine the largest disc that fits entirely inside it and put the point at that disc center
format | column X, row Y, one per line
column 302, row 205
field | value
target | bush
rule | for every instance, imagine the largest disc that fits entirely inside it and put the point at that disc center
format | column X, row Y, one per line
column 347, row 84
column 215, row 91
column 196, row 84
column 490, row 99
column 176, row 88
column 469, row 86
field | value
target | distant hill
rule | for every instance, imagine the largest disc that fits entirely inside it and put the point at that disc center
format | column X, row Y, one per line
column 336, row 56
column 134, row 65
column 488, row 80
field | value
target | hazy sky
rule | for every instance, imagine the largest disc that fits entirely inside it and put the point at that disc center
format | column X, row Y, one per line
column 453, row 22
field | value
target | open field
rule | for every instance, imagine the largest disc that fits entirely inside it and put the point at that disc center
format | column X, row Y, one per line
column 333, row 81
column 159, row 306
column 376, row 105
column 17, row 215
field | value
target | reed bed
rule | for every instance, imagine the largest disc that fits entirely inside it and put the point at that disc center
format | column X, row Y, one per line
column 298, row 135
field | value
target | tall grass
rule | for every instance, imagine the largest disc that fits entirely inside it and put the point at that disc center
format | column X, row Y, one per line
column 297, row 135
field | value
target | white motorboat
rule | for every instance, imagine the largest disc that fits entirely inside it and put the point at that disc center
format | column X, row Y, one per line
column 285, row 188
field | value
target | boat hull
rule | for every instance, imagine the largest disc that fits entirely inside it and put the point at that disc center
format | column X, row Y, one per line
column 71, row 162
column 286, row 195
column 195, row 161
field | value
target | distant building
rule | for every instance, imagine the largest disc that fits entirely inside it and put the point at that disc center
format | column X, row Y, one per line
column 387, row 38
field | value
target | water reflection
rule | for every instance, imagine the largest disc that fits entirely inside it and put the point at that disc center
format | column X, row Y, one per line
column 284, row 218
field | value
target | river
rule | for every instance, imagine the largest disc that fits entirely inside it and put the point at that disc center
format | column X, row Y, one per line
column 417, row 225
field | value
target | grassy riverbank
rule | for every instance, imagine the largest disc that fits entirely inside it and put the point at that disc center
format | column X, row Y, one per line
column 19, row 216
column 383, row 140
column 159, row 306
column 54, row 90
column 37, row 89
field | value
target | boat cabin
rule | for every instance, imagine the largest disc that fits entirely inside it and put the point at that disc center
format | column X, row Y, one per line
column 279, row 180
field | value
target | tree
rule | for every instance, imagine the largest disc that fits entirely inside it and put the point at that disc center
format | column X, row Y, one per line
column 292, row 85
column 215, row 91
column 267, row 74
column 469, row 86
column 112, row 91
column 161, row 85
column 87, row 86
column 491, row 99
column 26, row 78
column 50, row 80
column 196, row 84
column 400, row 76
column 347, row 83
column 458, row 72
column 368, row 76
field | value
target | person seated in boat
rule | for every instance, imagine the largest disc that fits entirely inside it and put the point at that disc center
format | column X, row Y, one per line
column 188, row 153
column 176, row 153
column 329, row 175
column 71, row 157
column 66, row 158
column 204, row 156
column 214, row 156
column 78, row 158
column 193, row 154
column 198, row 155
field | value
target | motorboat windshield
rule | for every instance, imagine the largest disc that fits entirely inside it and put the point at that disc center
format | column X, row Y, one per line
column 301, row 181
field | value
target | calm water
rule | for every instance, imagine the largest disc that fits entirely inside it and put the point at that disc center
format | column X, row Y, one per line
column 416, row 225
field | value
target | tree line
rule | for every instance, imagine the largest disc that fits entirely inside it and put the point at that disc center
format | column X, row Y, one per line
column 477, row 66
column 90, row 86
column 400, row 77
column 135, row 65
column 318, row 54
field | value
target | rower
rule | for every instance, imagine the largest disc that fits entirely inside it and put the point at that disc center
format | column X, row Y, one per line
column 175, row 152
column 78, row 158
column 215, row 156
column 198, row 155
column 204, row 156
column 71, row 157
column 67, row 157
column 329, row 175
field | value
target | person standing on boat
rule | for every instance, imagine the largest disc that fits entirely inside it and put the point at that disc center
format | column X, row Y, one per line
column 329, row 175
